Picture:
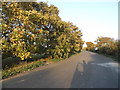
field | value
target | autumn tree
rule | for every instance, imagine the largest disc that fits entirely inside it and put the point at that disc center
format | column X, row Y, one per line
column 17, row 30
column 31, row 27
column 90, row 46
column 107, row 45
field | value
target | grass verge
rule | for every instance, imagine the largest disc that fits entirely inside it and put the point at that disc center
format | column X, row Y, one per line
column 21, row 68
column 26, row 67
column 56, row 60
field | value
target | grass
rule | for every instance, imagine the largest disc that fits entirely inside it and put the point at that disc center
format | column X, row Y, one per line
column 56, row 60
column 28, row 66
column 23, row 67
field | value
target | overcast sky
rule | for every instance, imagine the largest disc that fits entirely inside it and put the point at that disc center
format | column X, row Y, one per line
column 93, row 17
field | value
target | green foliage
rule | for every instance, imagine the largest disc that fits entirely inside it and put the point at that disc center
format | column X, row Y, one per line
column 108, row 46
column 56, row 60
column 21, row 68
column 10, row 62
column 31, row 27
column 37, row 56
column 31, row 31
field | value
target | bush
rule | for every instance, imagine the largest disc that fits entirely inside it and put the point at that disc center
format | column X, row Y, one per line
column 37, row 56
column 10, row 62
column 6, row 55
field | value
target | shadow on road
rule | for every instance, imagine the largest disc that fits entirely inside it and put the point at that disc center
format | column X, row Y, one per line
column 92, row 74
column 78, row 75
column 87, row 70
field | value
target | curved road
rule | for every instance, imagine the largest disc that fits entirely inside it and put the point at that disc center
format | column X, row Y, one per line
column 84, row 70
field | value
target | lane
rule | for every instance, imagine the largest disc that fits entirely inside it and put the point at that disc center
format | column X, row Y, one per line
column 84, row 70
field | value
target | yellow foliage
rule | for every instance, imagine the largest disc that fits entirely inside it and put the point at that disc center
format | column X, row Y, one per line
column 40, row 30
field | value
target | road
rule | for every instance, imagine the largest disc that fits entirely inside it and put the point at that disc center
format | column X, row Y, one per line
column 84, row 70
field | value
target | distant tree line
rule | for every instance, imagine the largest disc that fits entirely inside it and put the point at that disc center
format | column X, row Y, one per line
column 30, row 27
column 105, row 45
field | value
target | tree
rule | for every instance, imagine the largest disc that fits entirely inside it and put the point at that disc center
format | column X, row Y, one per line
column 31, row 27
column 90, row 46
column 107, row 45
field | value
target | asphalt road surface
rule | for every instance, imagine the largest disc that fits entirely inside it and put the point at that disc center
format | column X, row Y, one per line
column 84, row 70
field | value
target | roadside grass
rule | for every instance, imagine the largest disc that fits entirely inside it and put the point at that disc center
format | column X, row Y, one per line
column 21, row 68
column 56, row 60
column 27, row 66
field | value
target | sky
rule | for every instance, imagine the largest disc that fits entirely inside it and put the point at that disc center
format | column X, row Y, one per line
column 93, row 17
